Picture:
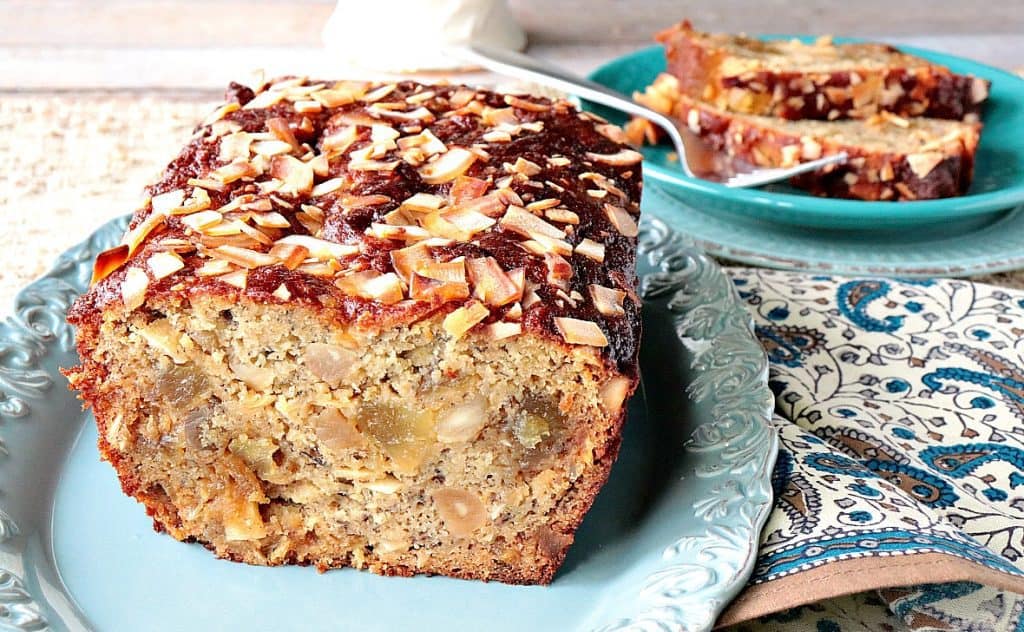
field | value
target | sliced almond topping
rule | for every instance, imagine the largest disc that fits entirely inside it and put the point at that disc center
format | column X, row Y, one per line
column 271, row 148
column 235, row 147
column 224, row 229
column 419, row 114
column 221, row 112
column 320, row 165
column 515, row 312
column 524, row 167
column 265, row 100
column 402, row 233
column 562, row 215
column 542, row 205
column 502, row 330
column 468, row 220
column 133, row 288
column 378, row 93
column 339, row 141
column 441, row 227
column 423, row 203
column 164, row 264
column 453, row 271
column 237, row 278
column 922, row 164
column 308, row 107
column 449, row 166
column 621, row 158
column 208, row 184
column 213, row 268
column 281, row 293
column 556, row 246
column 497, row 136
column 523, row 104
column 466, row 188
column 354, row 201
column 234, row 171
column 199, row 201
column 373, row 165
column 167, row 202
column 328, row 186
column 425, row 141
column 320, row 248
column 608, row 301
column 464, row 318
column 271, row 220
column 134, row 237
column 600, row 194
column 243, row 256
column 282, row 131
column 622, row 220
column 422, row 288
column 405, row 260
column 490, row 282
column 559, row 270
column 202, row 220
column 107, row 262
column 370, row 284
column 296, row 175
column 580, row 332
column 591, row 250
column 559, row 161
column 290, row 255
column 521, row 221
column 333, row 98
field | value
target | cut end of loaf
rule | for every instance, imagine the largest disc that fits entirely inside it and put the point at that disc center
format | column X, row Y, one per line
column 271, row 437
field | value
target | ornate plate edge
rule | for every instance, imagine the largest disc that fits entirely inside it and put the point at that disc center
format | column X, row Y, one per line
column 699, row 573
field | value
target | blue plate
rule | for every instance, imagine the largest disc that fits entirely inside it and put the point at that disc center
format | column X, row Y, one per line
column 669, row 542
column 998, row 179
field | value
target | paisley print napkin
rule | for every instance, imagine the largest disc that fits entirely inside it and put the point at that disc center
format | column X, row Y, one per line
column 900, row 408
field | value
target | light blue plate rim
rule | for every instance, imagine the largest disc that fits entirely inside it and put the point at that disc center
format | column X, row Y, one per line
column 710, row 540
column 971, row 204
column 996, row 247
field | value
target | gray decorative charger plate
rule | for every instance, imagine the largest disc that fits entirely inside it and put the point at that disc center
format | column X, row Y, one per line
column 670, row 540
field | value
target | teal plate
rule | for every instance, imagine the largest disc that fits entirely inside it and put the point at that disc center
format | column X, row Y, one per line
column 671, row 538
column 999, row 172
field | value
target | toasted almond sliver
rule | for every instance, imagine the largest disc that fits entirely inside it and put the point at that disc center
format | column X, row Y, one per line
column 458, row 322
column 271, row 148
column 327, row 186
column 405, row 260
column 607, row 300
column 320, row 248
column 133, row 288
column 491, row 284
column 281, row 293
column 234, row 171
column 167, row 202
column 137, row 235
column 202, row 220
column 423, row 202
column 243, row 256
column 562, row 215
column 622, row 220
column 370, row 284
column 452, row 164
column 403, row 233
column 107, row 262
column 164, row 264
column 296, row 175
column 622, row 158
column 591, row 250
column 271, row 220
column 214, row 267
column 502, row 330
column 580, row 332
column 519, row 220
column 199, row 201
column 237, row 278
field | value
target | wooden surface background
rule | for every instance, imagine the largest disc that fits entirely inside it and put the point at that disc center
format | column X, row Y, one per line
column 48, row 45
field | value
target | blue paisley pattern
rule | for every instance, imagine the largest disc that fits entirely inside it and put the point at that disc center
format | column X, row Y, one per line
column 900, row 407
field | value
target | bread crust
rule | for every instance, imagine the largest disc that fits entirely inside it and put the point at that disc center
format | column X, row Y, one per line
column 724, row 71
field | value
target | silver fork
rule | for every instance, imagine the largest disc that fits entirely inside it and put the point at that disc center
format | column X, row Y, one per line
column 531, row 69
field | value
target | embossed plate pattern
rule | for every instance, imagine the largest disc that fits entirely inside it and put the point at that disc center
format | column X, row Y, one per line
column 670, row 540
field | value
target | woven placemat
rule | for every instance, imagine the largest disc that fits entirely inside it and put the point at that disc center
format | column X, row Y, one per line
column 69, row 163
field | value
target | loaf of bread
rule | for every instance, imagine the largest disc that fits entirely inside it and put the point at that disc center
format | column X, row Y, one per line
column 386, row 326
column 821, row 80
column 891, row 157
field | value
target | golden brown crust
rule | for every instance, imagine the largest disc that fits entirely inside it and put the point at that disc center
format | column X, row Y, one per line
column 817, row 81
column 372, row 172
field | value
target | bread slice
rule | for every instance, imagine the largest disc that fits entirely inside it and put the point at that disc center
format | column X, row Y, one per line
column 821, row 80
column 386, row 326
column 891, row 158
